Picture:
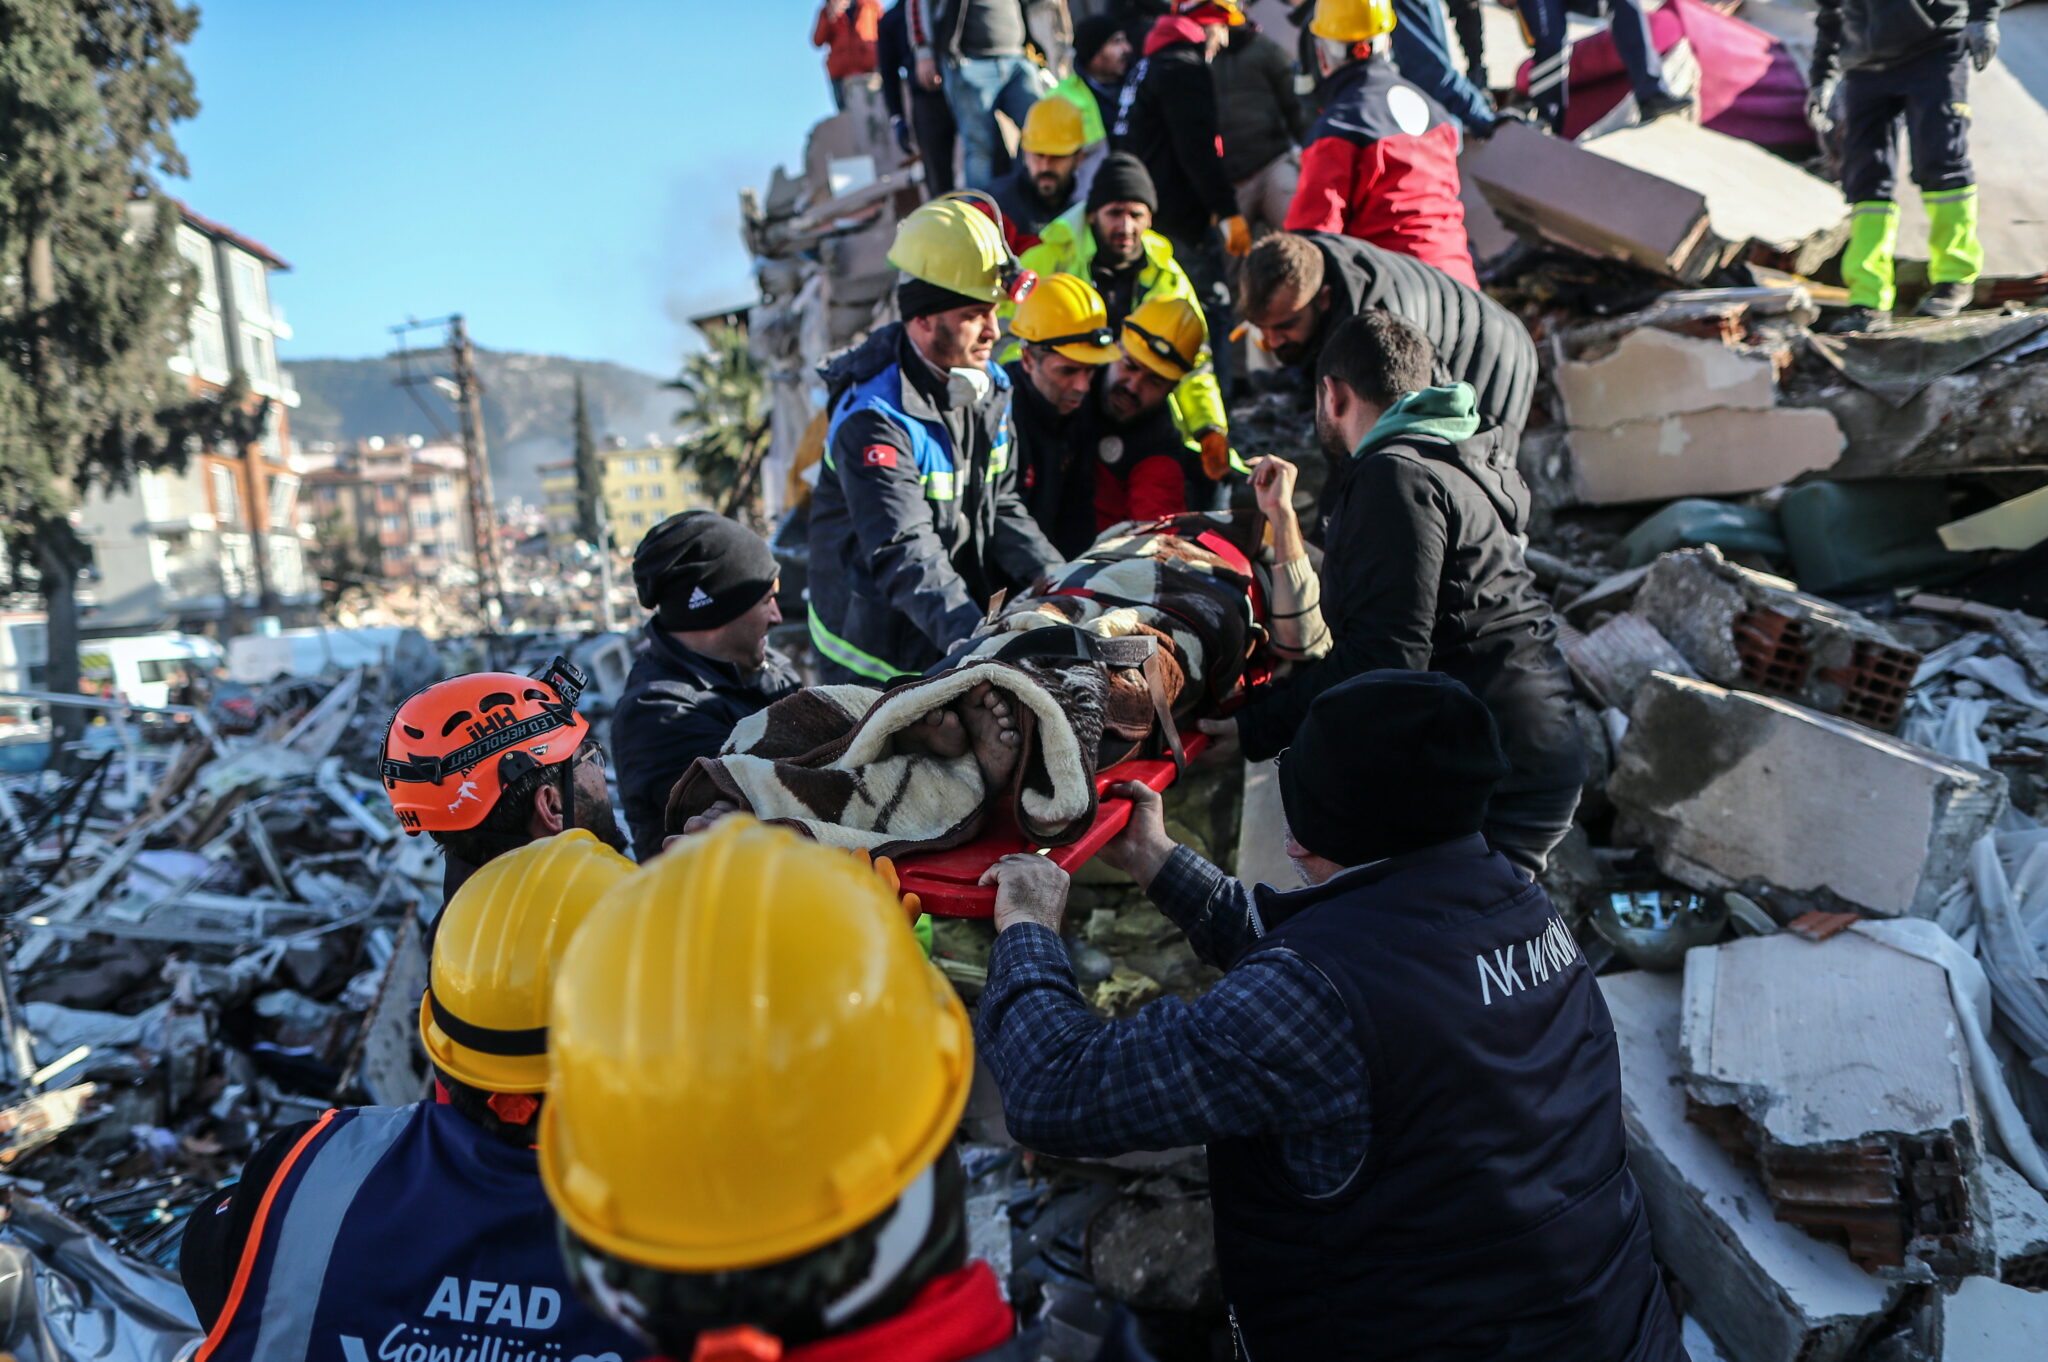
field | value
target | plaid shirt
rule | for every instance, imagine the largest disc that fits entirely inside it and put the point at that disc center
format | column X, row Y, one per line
column 1267, row 1051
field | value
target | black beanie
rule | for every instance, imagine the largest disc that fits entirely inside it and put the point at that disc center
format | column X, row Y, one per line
column 916, row 298
column 699, row 570
column 1122, row 178
column 1091, row 35
column 1387, row 763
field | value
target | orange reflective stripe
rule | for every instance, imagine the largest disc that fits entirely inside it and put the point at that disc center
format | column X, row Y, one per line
column 247, row 1266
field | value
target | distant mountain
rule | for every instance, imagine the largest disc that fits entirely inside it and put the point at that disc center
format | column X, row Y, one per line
column 529, row 403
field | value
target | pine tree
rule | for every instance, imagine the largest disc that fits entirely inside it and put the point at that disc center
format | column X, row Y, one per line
column 93, row 295
column 590, row 526
column 726, row 425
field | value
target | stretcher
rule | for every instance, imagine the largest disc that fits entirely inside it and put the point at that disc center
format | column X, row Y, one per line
column 947, row 882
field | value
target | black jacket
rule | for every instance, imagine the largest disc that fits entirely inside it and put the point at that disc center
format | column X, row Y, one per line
column 1167, row 119
column 1423, row 570
column 1054, row 477
column 1477, row 340
column 1256, row 107
column 680, row 705
column 1024, row 216
column 916, row 521
column 1876, row 34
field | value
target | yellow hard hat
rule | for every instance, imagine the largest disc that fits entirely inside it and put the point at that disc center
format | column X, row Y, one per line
column 1166, row 335
column 1053, row 128
column 955, row 245
column 484, row 1016
column 1066, row 313
column 749, row 1056
column 1352, row 21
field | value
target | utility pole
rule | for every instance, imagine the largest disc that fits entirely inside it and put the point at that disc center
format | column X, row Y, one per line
column 462, row 388
column 607, row 613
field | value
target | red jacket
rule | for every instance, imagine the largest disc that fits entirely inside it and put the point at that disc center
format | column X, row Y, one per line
column 1382, row 165
column 1150, row 489
column 849, row 37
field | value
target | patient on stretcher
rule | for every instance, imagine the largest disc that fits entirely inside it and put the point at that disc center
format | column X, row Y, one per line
column 1109, row 658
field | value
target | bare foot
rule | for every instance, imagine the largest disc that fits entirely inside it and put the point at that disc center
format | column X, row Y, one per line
column 992, row 724
column 937, row 734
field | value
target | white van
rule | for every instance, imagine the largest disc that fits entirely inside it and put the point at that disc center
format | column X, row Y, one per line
column 142, row 668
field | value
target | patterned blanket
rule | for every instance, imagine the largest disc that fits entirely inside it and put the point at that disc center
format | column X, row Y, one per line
column 1107, row 659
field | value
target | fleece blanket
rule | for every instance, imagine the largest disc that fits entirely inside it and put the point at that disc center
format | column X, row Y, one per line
column 1159, row 622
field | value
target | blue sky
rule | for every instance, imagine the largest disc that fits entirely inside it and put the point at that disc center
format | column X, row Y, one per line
column 564, row 172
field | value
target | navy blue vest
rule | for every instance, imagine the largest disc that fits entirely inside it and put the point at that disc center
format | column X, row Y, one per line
column 1494, row 1217
column 408, row 1234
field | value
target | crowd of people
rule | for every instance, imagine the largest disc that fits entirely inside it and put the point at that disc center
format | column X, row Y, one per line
column 704, row 1100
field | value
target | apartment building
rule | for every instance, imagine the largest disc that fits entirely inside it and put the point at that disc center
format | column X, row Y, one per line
column 642, row 488
column 404, row 500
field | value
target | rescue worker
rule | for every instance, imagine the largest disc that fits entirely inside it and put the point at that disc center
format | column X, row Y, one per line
column 1547, row 24
column 916, row 523
column 1297, row 287
column 1168, row 119
column 1064, row 328
column 1040, row 185
column 1381, row 162
column 704, row 661
column 1406, row 1078
column 1424, row 517
column 377, row 1230
column 1109, row 241
column 487, row 762
column 1102, row 54
column 1142, row 471
column 792, row 1191
column 1877, row 63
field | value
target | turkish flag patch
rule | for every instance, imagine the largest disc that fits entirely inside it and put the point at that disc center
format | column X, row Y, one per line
column 879, row 456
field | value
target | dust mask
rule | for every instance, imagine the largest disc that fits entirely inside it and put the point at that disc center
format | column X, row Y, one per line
column 967, row 386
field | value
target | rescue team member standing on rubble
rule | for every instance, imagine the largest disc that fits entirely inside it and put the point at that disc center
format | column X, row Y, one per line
column 1423, row 517
column 487, row 762
column 1903, row 60
column 1109, row 241
column 1381, row 163
column 916, row 522
column 1142, row 470
column 704, row 662
column 1298, row 287
column 1064, row 328
column 1407, row 1079
column 750, row 1139
column 1040, row 186
column 423, row 1230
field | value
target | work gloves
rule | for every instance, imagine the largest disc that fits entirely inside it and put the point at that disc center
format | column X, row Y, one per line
column 1215, row 453
column 1237, row 235
column 1981, row 37
column 1820, row 102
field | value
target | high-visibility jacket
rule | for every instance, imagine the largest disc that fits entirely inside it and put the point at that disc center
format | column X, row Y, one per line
column 1067, row 246
column 406, row 1231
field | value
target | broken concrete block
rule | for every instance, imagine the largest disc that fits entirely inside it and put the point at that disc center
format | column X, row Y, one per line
column 2017, row 524
column 1741, row 791
column 1614, row 660
column 1651, row 373
column 1994, row 417
column 1750, row 194
column 1765, row 1291
column 1987, row 1321
column 2019, row 1225
column 1701, row 453
column 1757, row 632
column 1838, row 1068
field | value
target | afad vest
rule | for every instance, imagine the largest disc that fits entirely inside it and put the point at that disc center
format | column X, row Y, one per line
column 407, row 1234
column 1494, row 1217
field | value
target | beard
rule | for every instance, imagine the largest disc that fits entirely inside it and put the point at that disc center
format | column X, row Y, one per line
column 1329, row 437
column 601, row 823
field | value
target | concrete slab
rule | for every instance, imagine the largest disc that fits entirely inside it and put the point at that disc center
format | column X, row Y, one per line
column 1741, row 791
column 1701, row 453
column 1614, row 660
column 1651, row 373
column 2017, row 524
column 1764, row 1291
column 1987, row 1321
column 2019, row 1225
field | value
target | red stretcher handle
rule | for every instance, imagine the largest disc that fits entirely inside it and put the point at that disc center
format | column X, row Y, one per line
column 947, row 882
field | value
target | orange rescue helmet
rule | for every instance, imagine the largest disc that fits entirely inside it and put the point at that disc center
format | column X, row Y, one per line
column 453, row 748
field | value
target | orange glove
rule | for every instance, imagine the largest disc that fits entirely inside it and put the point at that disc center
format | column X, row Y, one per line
column 885, row 870
column 1215, row 452
column 1237, row 235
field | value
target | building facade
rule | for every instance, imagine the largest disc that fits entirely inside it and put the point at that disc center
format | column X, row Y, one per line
column 207, row 548
column 642, row 488
column 404, row 503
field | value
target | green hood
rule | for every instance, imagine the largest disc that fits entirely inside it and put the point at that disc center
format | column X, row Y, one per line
column 1450, row 414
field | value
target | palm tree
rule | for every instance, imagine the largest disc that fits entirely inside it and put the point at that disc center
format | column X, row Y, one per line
column 726, row 425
